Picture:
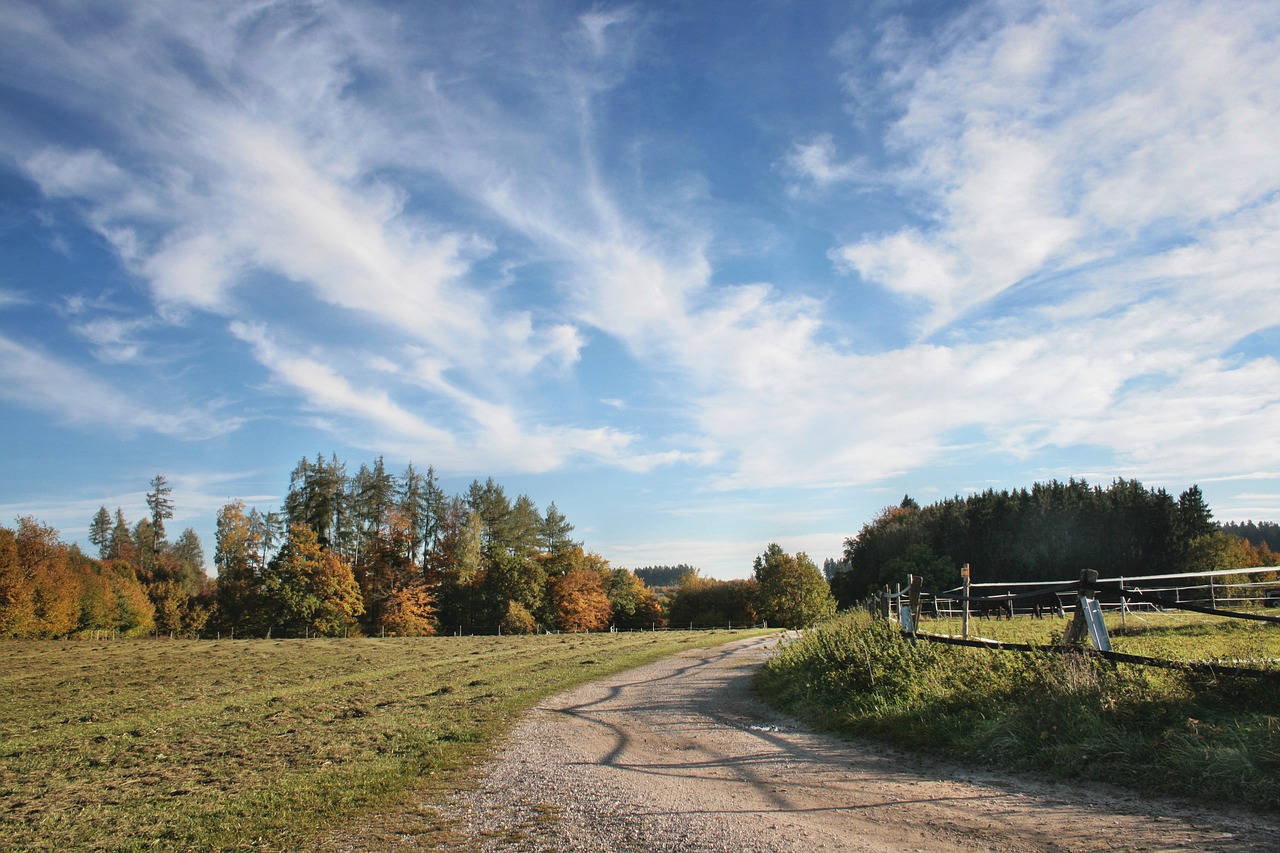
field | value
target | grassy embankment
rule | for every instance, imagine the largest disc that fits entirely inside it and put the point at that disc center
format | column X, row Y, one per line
column 1155, row 730
column 266, row 744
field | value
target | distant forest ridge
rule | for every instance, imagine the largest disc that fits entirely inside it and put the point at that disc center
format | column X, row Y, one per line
column 1048, row 532
column 665, row 576
column 1256, row 534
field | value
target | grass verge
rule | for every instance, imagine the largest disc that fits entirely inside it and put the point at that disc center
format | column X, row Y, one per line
column 264, row 744
column 1169, row 732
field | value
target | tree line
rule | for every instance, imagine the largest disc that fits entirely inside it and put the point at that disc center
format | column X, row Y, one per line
column 372, row 553
column 1048, row 532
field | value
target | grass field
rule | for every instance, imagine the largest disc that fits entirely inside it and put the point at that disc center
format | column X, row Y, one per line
column 264, row 744
column 1193, row 733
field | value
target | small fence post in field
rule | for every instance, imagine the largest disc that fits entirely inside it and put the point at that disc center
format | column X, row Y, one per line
column 1213, row 599
column 1088, row 621
column 1124, row 607
column 909, row 613
column 884, row 602
column 964, row 597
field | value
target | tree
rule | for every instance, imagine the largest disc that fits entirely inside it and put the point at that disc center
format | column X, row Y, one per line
column 161, row 505
column 308, row 588
column 100, row 532
column 491, row 504
column 579, row 602
column 237, row 557
column 709, row 603
column 385, row 565
column 555, row 531
column 17, row 591
column 524, row 527
column 792, row 592
column 43, row 559
column 509, row 577
column 122, row 546
column 188, row 552
column 455, row 563
column 408, row 611
column 633, row 604
column 518, row 620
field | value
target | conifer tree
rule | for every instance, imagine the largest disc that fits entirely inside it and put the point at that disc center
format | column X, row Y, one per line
column 100, row 532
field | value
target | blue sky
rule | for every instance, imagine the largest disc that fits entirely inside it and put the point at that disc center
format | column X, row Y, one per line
column 708, row 275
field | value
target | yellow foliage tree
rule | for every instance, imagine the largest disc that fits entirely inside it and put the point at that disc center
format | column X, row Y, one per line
column 579, row 601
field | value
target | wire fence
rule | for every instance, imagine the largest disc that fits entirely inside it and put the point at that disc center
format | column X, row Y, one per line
column 1233, row 593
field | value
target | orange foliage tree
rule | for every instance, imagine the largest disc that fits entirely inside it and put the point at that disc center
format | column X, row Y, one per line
column 579, row 601
column 408, row 611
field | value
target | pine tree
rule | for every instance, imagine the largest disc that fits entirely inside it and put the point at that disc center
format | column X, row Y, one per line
column 161, row 505
column 100, row 532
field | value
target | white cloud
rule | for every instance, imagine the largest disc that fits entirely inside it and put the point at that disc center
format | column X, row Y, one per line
column 36, row 380
column 1090, row 229
column 816, row 161
column 1066, row 135
column 114, row 339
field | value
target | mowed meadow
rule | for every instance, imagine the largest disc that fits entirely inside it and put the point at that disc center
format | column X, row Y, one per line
column 266, row 743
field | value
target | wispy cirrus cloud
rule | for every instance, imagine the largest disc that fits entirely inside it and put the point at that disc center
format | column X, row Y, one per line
column 38, row 380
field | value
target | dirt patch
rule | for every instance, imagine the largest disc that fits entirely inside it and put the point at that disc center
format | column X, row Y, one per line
column 680, row 756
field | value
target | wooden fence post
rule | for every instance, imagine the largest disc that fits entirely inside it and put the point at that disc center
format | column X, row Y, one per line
column 964, row 616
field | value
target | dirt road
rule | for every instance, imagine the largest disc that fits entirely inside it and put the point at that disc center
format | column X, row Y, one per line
column 679, row 756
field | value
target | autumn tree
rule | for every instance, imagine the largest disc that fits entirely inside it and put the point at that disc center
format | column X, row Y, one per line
column 408, row 611
column 709, row 603
column 44, row 561
column 579, row 602
column 238, row 558
column 308, row 588
column 17, row 591
column 386, row 570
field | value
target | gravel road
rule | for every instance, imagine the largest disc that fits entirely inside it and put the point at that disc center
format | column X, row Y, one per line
column 680, row 756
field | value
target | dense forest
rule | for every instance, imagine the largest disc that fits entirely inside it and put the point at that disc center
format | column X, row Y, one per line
column 370, row 553
column 1262, row 533
column 1048, row 532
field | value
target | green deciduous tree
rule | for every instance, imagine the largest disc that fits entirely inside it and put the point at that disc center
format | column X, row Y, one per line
column 792, row 593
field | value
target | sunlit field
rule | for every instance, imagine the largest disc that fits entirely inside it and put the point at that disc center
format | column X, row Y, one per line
column 260, row 743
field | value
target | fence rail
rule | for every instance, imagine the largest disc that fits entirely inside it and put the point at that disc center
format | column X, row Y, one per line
column 1087, row 624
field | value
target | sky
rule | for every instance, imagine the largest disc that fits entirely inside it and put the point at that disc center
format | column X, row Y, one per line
column 707, row 275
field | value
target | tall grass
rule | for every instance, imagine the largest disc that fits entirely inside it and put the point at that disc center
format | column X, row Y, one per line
column 1155, row 730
